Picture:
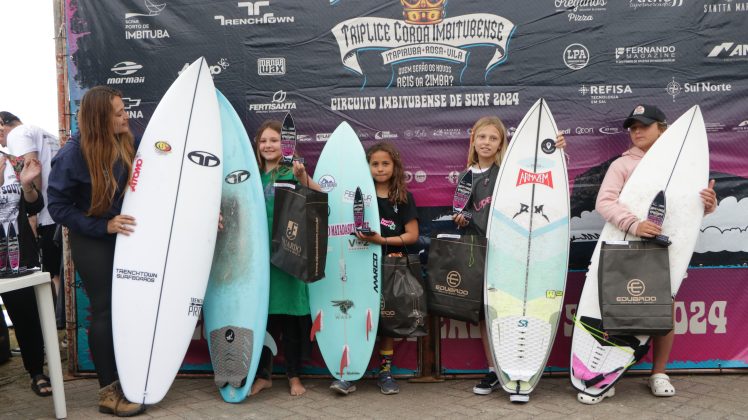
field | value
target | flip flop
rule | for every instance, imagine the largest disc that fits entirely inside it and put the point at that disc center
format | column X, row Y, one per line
column 39, row 383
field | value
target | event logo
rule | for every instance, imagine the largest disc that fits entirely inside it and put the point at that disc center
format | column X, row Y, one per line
column 424, row 34
column 277, row 104
column 125, row 70
column 581, row 10
column 576, row 56
column 655, row 3
column 215, row 69
column 271, row 66
column 645, row 54
column 600, row 94
column 729, row 51
column 726, row 7
column 674, row 88
column 131, row 103
column 135, row 29
column 257, row 14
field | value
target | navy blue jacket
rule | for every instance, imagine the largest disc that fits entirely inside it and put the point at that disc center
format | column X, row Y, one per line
column 69, row 192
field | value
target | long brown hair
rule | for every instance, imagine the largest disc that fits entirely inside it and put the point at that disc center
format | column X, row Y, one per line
column 274, row 125
column 483, row 122
column 101, row 147
column 398, row 191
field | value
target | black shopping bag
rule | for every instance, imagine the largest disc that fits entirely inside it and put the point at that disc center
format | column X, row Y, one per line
column 634, row 288
column 299, row 234
column 403, row 310
column 455, row 276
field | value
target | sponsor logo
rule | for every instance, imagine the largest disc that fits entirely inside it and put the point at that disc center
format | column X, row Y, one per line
column 343, row 229
column 382, row 311
column 215, row 69
column 447, row 133
column 420, row 176
column 645, row 54
column 303, row 138
column 674, row 88
column 552, row 294
column 391, row 225
column 355, row 244
column 537, row 163
column 137, row 275
column 257, row 14
column 196, row 305
column 349, row 196
column 742, row 126
column 375, row 271
column 344, row 306
column 131, row 103
column 584, row 130
column 136, row 174
column 162, row 147
column 135, row 28
column 327, row 183
column 237, row 177
column 292, row 230
column 277, row 104
column 427, row 36
column 384, row 135
column 548, row 146
column 524, row 208
column 726, row 7
column 581, row 10
column 453, row 280
column 729, row 51
column 271, row 66
column 125, row 70
column 635, row 287
column 229, row 336
column 408, row 176
column 322, row 136
column 202, row 158
column 600, row 94
column 636, row 4
column 453, row 177
column 609, row 130
column 576, row 56
column 527, row 177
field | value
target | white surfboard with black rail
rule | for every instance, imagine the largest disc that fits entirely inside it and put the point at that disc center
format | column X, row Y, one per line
column 528, row 253
column 678, row 163
column 161, row 270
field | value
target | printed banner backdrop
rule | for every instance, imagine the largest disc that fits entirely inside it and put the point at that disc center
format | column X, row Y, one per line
column 420, row 77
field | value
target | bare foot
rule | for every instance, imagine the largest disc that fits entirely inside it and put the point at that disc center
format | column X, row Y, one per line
column 259, row 385
column 296, row 387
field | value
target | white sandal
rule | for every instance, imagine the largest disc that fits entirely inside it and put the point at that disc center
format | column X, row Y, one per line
column 660, row 385
column 590, row 400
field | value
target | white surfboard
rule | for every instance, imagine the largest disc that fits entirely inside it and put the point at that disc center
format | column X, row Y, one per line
column 528, row 253
column 161, row 270
column 678, row 163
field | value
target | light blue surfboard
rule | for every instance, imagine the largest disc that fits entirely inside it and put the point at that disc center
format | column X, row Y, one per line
column 345, row 303
column 528, row 253
column 236, row 304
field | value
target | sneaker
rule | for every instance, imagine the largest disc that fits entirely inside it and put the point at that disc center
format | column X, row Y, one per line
column 343, row 387
column 387, row 384
column 590, row 400
column 660, row 385
column 16, row 351
column 488, row 384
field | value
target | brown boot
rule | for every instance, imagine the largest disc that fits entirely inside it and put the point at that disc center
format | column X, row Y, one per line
column 112, row 401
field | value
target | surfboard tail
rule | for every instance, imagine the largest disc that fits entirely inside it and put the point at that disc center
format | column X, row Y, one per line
column 316, row 325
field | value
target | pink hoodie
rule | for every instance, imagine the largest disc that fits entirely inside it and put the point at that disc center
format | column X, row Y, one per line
column 607, row 198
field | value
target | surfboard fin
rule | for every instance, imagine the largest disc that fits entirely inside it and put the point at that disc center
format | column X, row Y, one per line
column 316, row 325
column 344, row 360
column 270, row 343
column 368, row 323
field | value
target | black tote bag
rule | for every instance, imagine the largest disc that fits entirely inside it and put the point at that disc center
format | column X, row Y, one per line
column 634, row 288
column 455, row 276
column 299, row 234
column 403, row 309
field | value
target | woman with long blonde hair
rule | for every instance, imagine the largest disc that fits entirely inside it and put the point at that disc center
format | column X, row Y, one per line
column 86, row 186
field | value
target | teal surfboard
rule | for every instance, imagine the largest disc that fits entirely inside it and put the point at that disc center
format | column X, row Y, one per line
column 236, row 302
column 345, row 303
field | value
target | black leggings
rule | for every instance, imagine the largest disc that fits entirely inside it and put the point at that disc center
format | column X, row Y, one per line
column 23, row 312
column 294, row 331
column 93, row 260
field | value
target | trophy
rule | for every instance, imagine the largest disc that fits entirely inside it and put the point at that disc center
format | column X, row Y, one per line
column 358, row 214
column 288, row 140
column 656, row 215
column 462, row 195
